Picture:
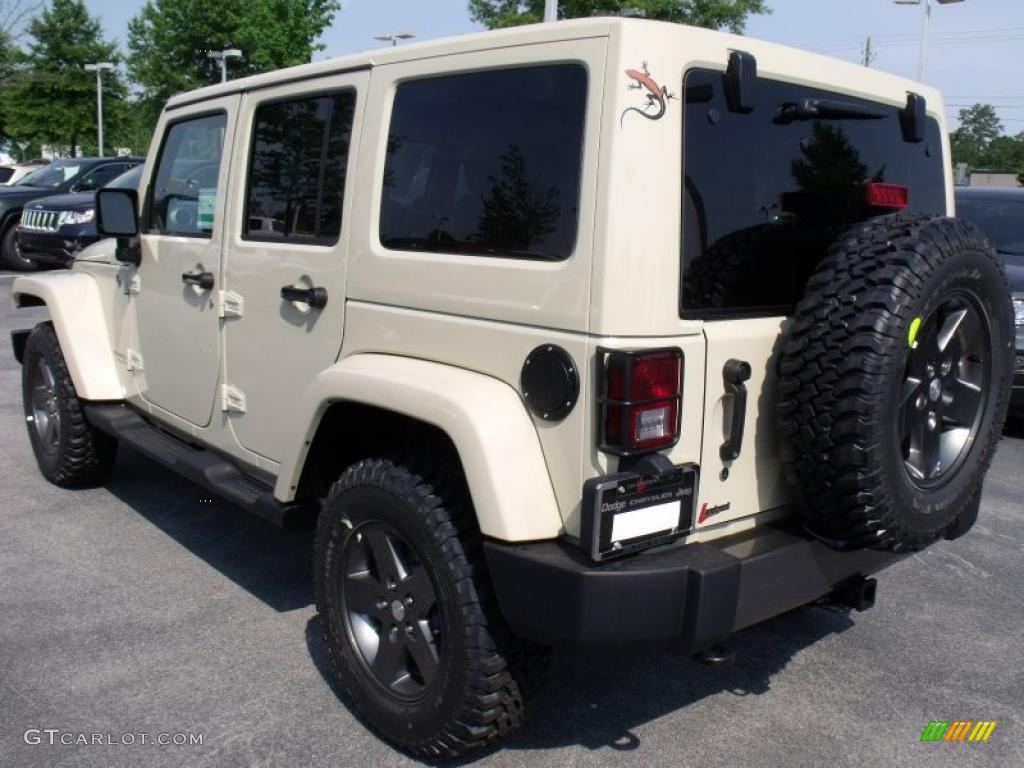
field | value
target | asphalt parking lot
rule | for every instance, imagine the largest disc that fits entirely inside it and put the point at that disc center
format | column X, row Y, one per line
column 140, row 608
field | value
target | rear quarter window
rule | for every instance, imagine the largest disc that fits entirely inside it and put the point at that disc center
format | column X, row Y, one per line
column 486, row 163
column 764, row 196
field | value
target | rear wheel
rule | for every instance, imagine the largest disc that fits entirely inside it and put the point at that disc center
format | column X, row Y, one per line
column 69, row 451
column 410, row 621
column 894, row 381
column 10, row 252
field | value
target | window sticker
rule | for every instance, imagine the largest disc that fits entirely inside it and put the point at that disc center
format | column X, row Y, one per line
column 207, row 206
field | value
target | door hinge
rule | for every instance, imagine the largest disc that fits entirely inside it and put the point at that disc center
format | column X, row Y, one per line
column 231, row 304
column 133, row 361
column 232, row 399
column 130, row 285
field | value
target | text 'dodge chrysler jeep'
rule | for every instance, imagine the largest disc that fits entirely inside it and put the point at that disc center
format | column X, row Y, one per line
column 591, row 333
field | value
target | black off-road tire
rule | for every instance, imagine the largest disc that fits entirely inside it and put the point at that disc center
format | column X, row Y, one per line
column 842, row 380
column 485, row 673
column 81, row 454
column 10, row 255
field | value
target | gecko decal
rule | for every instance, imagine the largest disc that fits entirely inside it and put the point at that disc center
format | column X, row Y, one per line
column 658, row 96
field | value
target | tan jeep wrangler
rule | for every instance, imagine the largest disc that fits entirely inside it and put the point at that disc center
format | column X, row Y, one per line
column 589, row 333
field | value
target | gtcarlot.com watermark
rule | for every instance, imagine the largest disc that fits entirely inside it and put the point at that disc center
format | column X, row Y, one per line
column 57, row 736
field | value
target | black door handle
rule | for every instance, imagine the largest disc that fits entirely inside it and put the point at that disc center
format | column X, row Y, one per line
column 734, row 373
column 203, row 279
column 315, row 297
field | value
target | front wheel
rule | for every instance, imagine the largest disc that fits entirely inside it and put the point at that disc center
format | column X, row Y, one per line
column 70, row 452
column 410, row 623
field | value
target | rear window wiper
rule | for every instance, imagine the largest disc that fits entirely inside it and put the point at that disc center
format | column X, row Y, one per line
column 825, row 109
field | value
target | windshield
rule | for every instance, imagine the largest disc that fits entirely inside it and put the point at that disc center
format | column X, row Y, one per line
column 1002, row 221
column 128, row 180
column 52, row 176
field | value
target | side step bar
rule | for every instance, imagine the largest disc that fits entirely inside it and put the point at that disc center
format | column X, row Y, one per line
column 203, row 467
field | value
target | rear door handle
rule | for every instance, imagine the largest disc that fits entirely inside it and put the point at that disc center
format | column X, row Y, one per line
column 315, row 297
column 735, row 373
column 202, row 279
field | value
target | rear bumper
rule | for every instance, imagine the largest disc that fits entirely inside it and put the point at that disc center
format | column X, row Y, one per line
column 690, row 597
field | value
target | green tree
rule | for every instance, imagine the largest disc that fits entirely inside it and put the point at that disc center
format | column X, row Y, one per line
column 979, row 127
column 13, row 16
column 168, row 41
column 714, row 14
column 518, row 213
column 50, row 98
column 1004, row 153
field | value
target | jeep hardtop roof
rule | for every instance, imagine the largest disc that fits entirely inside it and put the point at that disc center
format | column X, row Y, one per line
column 800, row 65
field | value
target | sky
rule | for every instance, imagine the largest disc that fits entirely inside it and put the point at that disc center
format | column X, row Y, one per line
column 973, row 54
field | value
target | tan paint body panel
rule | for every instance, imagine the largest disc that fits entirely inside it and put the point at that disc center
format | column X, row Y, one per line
column 496, row 440
column 179, row 336
column 526, row 291
column 275, row 348
column 442, row 337
column 76, row 306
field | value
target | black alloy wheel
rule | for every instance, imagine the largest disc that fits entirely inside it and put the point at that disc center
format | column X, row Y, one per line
column 391, row 611
column 945, row 388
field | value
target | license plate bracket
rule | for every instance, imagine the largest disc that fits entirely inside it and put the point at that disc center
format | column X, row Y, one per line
column 628, row 512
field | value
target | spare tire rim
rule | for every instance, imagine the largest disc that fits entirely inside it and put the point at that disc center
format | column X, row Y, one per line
column 46, row 407
column 945, row 389
column 390, row 609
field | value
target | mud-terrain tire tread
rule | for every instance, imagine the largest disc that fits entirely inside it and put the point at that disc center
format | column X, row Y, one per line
column 87, row 455
column 846, row 334
column 504, row 670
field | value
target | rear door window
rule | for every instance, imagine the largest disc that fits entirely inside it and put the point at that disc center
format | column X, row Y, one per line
column 486, row 163
column 297, row 169
column 767, row 191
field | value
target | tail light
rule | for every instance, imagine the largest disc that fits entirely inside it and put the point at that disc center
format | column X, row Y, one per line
column 887, row 195
column 639, row 403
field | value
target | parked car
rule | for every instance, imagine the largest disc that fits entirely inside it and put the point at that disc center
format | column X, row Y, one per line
column 595, row 333
column 55, row 229
column 1000, row 215
column 15, row 172
column 78, row 175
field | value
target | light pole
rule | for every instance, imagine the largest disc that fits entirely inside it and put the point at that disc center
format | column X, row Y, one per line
column 99, row 68
column 550, row 10
column 923, row 53
column 394, row 37
column 227, row 53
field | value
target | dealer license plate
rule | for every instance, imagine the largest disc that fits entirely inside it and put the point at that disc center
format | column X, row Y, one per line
column 627, row 512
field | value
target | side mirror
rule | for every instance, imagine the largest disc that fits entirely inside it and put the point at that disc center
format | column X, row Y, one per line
column 117, row 215
column 117, row 212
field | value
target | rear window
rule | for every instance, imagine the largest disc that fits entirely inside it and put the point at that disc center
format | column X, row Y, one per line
column 765, row 193
column 486, row 163
column 5, row 174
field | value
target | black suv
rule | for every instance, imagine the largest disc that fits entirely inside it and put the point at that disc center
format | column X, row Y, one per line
column 79, row 174
column 1000, row 214
column 54, row 229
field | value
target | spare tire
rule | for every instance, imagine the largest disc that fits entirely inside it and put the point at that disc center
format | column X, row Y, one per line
column 894, row 381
